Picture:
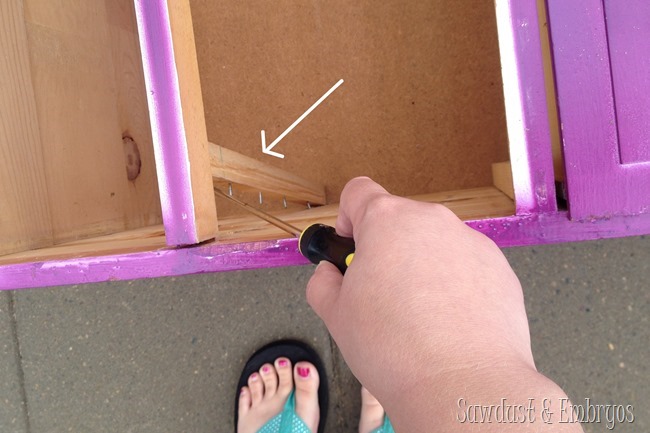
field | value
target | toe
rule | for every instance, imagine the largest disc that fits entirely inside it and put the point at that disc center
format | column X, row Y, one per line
column 372, row 413
column 307, row 380
column 270, row 379
column 285, row 376
column 256, row 387
column 244, row 401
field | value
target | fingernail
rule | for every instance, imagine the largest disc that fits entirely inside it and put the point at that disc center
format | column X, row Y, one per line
column 265, row 369
column 303, row 371
column 283, row 363
column 253, row 376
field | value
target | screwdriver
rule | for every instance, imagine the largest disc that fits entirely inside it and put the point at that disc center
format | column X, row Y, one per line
column 320, row 242
column 317, row 242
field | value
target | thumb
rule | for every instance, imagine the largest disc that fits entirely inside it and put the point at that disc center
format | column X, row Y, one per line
column 323, row 289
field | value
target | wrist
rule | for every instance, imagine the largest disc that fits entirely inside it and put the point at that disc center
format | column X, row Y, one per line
column 503, row 397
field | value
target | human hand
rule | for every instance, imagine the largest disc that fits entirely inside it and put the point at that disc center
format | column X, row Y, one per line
column 426, row 302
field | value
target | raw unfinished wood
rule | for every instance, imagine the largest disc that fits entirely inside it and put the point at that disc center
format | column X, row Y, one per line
column 230, row 166
column 551, row 99
column 87, row 77
column 24, row 211
column 502, row 178
column 132, row 241
column 132, row 106
column 468, row 204
column 205, row 211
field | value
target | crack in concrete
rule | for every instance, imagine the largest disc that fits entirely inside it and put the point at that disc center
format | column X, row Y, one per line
column 19, row 358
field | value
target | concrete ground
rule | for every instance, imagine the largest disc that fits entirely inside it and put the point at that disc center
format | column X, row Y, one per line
column 164, row 355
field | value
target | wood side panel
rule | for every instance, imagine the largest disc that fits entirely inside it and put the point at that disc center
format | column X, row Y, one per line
column 132, row 106
column 82, row 118
column 24, row 210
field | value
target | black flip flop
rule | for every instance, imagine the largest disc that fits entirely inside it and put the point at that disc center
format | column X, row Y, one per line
column 295, row 351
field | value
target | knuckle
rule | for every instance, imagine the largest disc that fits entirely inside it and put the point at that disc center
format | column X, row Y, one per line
column 382, row 206
column 355, row 185
column 440, row 211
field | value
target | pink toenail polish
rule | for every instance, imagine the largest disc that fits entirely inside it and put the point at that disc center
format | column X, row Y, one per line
column 303, row 371
column 283, row 363
column 265, row 369
column 253, row 376
column 243, row 390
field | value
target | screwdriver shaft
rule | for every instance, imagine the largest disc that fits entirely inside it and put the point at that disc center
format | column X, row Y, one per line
column 294, row 231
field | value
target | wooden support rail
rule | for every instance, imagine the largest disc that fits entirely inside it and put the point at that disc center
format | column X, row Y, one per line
column 471, row 204
column 502, row 178
column 230, row 166
column 467, row 204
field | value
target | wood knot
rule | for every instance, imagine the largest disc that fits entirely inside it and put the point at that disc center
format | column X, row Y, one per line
column 132, row 156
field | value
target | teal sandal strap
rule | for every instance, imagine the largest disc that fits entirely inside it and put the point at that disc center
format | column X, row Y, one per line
column 286, row 421
column 386, row 427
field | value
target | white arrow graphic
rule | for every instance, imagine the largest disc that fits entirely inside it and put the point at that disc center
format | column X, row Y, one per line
column 267, row 149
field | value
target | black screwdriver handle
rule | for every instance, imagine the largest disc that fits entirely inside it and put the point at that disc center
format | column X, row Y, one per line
column 320, row 242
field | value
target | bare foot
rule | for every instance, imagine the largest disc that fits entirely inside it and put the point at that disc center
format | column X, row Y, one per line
column 268, row 390
column 372, row 414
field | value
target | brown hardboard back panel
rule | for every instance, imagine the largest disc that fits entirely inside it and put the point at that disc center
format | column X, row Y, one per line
column 421, row 109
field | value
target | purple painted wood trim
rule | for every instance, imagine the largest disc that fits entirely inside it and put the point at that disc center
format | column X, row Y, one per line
column 506, row 232
column 526, row 108
column 598, row 185
column 166, row 115
column 628, row 33
column 151, row 264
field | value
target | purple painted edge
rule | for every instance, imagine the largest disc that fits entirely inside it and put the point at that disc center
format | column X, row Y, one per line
column 151, row 264
column 167, row 127
column 628, row 37
column 598, row 185
column 526, row 107
column 506, row 232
